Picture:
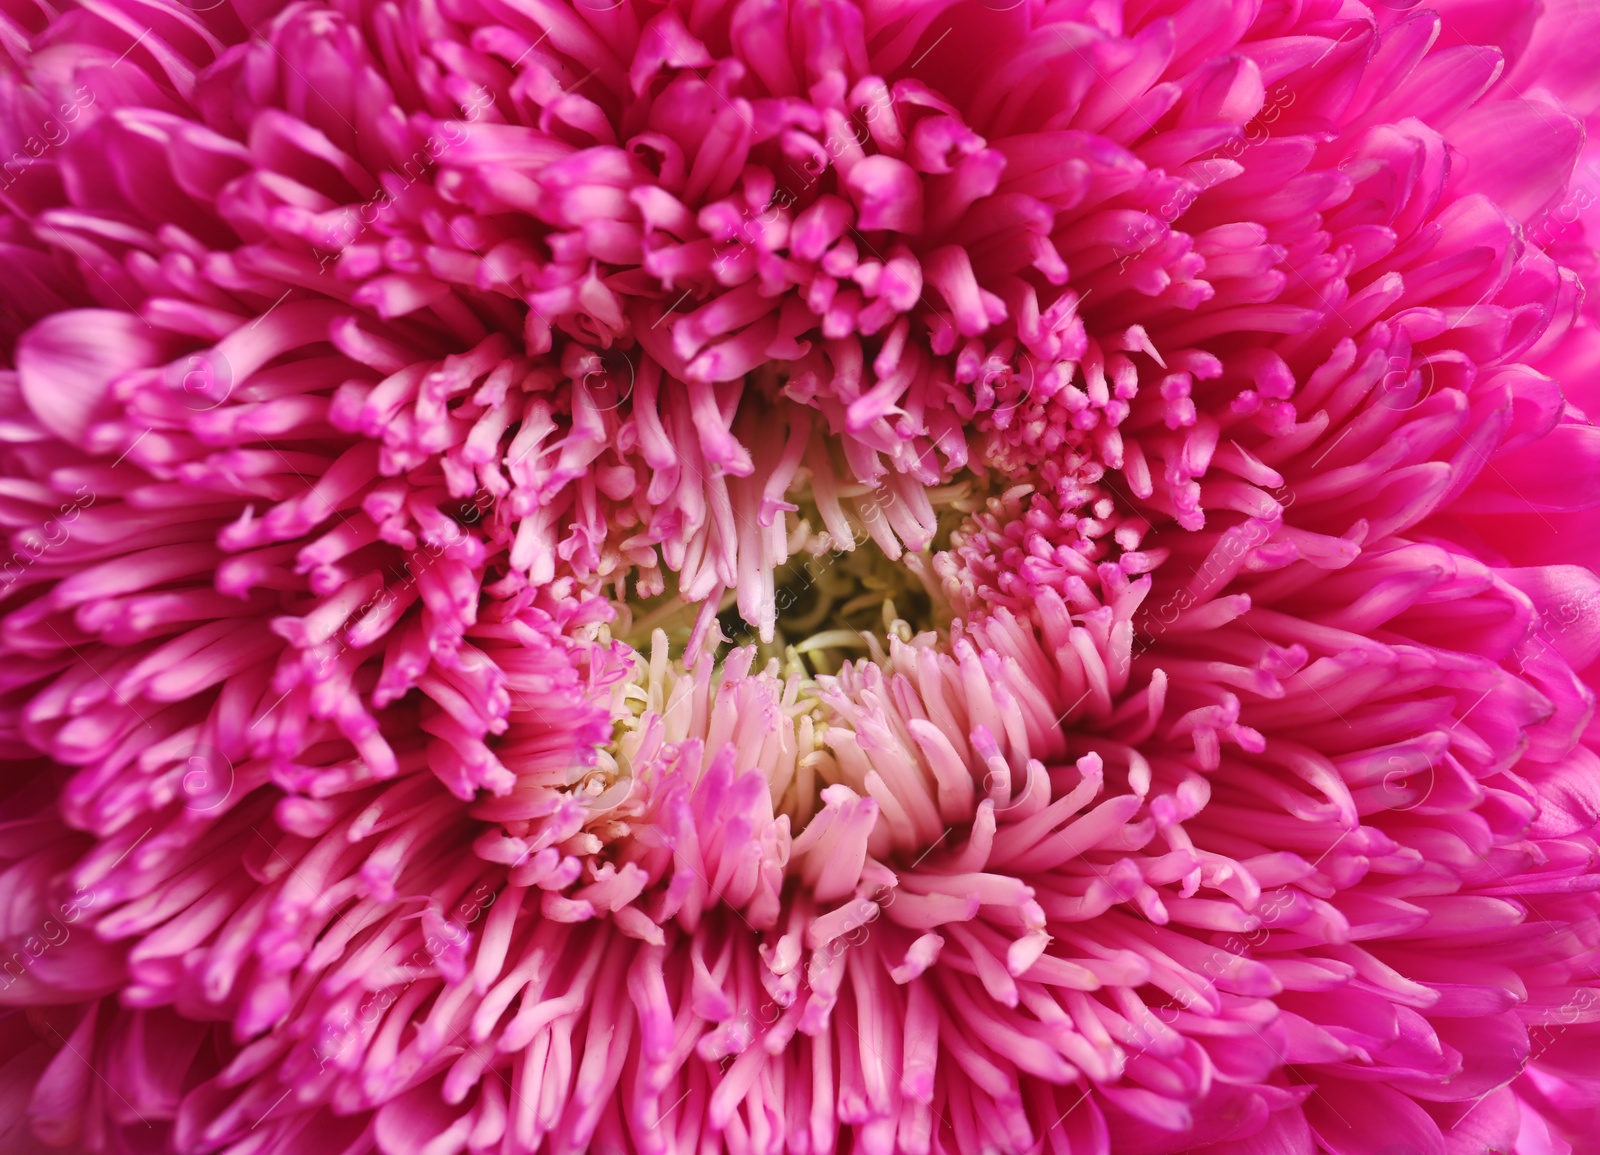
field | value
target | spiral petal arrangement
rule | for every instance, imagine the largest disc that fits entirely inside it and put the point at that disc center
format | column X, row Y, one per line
column 652, row 577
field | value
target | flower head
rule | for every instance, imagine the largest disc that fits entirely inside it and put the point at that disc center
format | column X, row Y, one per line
column 799, row 576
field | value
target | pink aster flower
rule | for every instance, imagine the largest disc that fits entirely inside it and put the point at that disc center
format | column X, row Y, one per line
column 799, row 576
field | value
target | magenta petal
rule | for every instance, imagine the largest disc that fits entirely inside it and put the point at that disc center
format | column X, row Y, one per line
column 68, row 360
column 1567, row 598
column 1519, row 152
column 1489, row 1124
column 1507, row 24
column 1563, row 58
column 1364, row 1118
column 1528, row 479
column 1286, row 1133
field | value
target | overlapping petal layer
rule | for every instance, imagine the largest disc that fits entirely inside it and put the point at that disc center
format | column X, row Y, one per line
column 404, row 399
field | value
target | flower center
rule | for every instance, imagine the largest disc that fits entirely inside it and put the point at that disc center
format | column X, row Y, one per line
column 852, row 607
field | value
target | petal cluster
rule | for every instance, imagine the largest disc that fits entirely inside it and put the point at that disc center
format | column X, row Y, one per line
column 1141, row 448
